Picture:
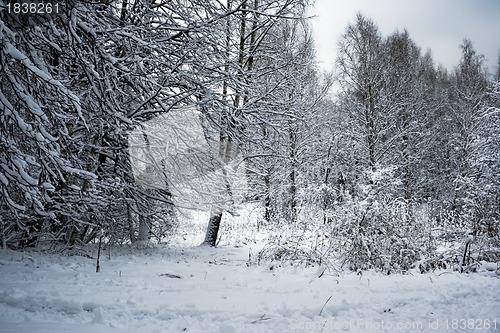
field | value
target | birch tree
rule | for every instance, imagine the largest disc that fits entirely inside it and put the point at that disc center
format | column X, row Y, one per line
column 473, row 120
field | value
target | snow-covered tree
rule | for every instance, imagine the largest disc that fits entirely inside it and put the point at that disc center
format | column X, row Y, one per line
column 475, row 196
column 83, row 80
column 249, row 46
column 37, row 110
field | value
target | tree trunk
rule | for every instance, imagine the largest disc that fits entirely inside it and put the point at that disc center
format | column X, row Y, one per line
column 130, row 220
column 213, row 227
column 326, row 199
column 293, row 171
column 143, row 229
column 267, row 197
column 4, row 240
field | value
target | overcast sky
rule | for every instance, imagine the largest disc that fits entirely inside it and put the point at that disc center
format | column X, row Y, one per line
column 439, row 25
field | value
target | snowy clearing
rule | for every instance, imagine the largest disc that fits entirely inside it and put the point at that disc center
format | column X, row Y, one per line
column 200, row 289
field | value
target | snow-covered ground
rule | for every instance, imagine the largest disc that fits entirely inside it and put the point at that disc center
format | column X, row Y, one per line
column 199, row 289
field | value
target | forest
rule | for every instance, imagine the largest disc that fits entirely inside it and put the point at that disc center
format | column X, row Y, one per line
column 388, row 162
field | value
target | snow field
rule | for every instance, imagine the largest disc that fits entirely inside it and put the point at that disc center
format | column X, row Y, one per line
column 220, row 291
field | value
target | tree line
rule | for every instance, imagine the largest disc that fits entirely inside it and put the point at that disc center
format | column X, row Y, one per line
column 401, row 158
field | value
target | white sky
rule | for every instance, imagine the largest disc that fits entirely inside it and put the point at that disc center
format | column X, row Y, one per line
column 439, row 25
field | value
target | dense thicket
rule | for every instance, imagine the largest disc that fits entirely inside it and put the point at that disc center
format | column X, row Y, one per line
column 399, row 164
column 73, row 87
column 402, row 165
